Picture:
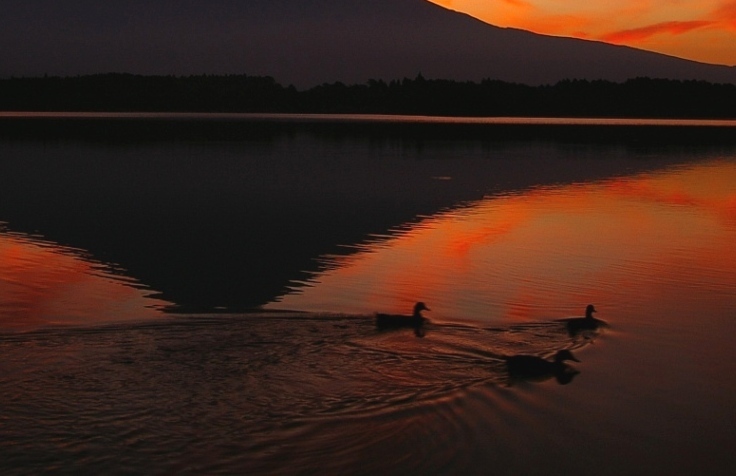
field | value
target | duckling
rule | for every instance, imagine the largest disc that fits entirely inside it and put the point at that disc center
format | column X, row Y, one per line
column 530, row 367
column 416, row 320
column 576, row 325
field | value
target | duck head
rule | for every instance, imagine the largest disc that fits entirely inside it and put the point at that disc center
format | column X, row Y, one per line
column 589, row 311
column 419, row 307
column 420, row 320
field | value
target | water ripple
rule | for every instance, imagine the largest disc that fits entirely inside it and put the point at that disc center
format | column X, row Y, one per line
column 255, row 391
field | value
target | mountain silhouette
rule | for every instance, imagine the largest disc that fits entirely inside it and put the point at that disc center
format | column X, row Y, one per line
column 307, row 42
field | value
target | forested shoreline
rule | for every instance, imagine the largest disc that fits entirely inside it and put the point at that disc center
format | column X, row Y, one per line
column 635, row 98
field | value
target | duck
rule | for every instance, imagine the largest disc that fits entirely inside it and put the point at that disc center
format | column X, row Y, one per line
column 392, row 321
column 576, row 325
column 531, row 367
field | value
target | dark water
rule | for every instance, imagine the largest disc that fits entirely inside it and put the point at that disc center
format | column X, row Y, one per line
column 198, row 298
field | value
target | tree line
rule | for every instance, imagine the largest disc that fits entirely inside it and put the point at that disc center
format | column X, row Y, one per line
column 634, row 98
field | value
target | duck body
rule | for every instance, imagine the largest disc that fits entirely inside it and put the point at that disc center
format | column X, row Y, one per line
column 577, row 325
column 530, row 367
column 394, row 321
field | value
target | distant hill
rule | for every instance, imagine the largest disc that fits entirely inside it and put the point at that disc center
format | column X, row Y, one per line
column 307, row 42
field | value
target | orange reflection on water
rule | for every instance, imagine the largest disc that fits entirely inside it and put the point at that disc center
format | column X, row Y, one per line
column 44, row 284
column 548, row 251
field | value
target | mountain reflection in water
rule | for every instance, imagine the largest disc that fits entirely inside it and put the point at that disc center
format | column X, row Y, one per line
column 221, row 215
column 517, row 257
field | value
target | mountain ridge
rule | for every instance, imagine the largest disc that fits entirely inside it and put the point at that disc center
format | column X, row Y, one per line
column 306, row 43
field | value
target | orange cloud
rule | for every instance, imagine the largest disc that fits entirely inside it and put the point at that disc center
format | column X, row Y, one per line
column 519, row 3
column 643, row 33
column 726, row 13
column 727, row 8
column 722, row 16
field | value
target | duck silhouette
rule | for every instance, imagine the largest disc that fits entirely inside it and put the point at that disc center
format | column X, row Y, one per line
column 576, row 325
column 533, row 368
column 415, row 321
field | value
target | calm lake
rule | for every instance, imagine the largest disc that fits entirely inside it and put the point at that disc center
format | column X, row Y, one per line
column 192, row 294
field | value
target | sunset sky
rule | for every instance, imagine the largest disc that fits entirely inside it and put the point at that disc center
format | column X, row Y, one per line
column 701, row 30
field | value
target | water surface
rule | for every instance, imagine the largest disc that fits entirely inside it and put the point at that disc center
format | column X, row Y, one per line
column 202, row 303
column 45, row 284
column 523, row 255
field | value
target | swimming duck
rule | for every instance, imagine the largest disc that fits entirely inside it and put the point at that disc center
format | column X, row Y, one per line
column 530, row 367
column 392, row 321
column 576, row 325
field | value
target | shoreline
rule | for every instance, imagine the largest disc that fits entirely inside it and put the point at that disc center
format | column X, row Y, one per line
column 107, row 127
column 370, row 118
